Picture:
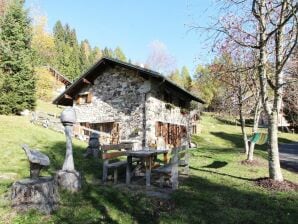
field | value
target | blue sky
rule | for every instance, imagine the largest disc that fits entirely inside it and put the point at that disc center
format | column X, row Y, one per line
column 134, row 24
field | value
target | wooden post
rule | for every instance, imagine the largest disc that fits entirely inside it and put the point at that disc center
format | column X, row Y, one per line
column 128, row 169
column 174, row 171
column 165, row 157
column 115, row 175
column 105, row 171
column 148, row 170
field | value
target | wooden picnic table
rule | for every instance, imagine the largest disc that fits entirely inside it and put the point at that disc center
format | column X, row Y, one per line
column 147, row 156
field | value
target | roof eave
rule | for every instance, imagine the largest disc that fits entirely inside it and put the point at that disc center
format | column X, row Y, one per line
column 144, row 70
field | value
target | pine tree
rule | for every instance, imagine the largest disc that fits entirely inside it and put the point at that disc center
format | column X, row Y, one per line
column 68, row 59
column 42, row 43
column 16, row 65
column 96, row 54
column 186, row 78
column 118, row 53
column 107, row 52
column 176, row 78
column 85, row 55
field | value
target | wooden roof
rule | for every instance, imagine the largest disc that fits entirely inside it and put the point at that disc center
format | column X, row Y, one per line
column 59, row 76
column 66, row 98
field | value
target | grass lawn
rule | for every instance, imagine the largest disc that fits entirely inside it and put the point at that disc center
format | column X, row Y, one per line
column 48, row 107
column 219, row 189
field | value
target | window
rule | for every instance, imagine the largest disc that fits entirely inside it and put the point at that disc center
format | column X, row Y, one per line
column 84, row 98
column 103, row 127
column 171, row 133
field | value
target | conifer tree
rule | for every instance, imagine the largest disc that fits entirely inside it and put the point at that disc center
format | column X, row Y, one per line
column 186, row 78
column 96, row 54
column 16, row 65
column 68, row 51
column 85, row 55
column 107, row 52
column 176, row 77
column 118, row 53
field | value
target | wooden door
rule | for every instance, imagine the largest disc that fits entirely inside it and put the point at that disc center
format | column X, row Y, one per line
column 115, row 134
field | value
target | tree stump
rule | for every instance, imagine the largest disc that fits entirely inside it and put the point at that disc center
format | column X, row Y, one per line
column 40, row 194
column 69, row 180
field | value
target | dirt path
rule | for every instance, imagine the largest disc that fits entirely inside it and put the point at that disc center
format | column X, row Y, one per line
column 289, row 156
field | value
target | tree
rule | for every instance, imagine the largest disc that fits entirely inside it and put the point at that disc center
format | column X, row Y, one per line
column 176, row 77
column 3, row 6
column 187, row 82
column 67, row 50
column 16, row 64
column 118, row 53
column 206, row 85
column 159, row 58
column 85, row 55
column 96, row 54
column 42, row 43
column 108, row 52
column 271, row 29
column 290, row 97
column 278, row 26
column 44, row 84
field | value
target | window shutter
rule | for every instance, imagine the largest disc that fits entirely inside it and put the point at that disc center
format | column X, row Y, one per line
column 89, row 97
column 78, row 99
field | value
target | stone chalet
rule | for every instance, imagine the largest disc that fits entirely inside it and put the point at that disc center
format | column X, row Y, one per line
column 129, row 103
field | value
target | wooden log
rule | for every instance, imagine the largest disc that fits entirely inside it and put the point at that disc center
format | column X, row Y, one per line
column 40, row 194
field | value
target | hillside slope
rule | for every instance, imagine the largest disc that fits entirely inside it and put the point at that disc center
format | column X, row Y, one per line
column 219, row 189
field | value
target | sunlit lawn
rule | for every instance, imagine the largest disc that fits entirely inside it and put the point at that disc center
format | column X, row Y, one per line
column 219, row 189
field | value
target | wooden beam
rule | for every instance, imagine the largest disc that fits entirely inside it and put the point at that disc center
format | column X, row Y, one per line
column 86, row 81
column 68, row 96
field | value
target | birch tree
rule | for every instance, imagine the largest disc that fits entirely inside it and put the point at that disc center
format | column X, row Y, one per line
column 270, row 28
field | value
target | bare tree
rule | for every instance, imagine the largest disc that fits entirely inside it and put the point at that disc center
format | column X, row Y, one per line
column 160, row 59
column 271, row 29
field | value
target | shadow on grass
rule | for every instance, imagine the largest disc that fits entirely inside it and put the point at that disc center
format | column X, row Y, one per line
column 235, row 139
column 95, row 203
column 222, row 174
column 202, row 201
column 197, row 201
column 285, row 141
column 217, row 164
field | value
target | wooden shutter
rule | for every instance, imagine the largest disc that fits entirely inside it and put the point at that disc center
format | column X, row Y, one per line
column 158, row 127
column 78, row 99
column 89, row 97
column 115, row 134
column 165, row 132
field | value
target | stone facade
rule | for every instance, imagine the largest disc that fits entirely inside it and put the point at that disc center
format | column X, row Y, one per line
column 122, row 96
column 158, row 110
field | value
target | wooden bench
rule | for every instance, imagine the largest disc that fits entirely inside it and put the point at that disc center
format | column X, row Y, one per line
column 110, row 156
column 179, row 158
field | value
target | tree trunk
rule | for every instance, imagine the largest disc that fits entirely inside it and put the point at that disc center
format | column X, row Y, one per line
column 242, row 121
column 40, row 194
column 250, row 156
column 273, row 153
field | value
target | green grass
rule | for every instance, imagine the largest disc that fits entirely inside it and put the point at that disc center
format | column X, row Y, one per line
column 219, row 189
column 48, row 107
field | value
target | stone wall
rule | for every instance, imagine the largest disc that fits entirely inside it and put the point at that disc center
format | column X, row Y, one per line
column 118, row 96
column 157, row 110
column 121, row 95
